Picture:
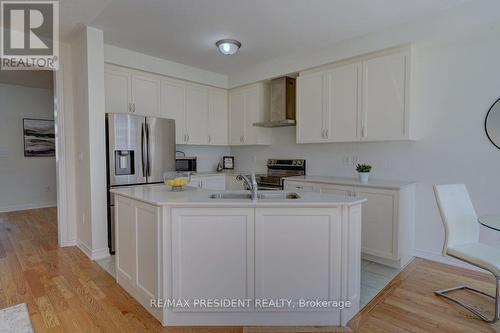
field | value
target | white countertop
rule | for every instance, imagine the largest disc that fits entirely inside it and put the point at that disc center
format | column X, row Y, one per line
column 376, row 183
column 161, row 195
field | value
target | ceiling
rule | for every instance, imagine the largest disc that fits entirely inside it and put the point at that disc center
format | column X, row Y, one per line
column 185, row 31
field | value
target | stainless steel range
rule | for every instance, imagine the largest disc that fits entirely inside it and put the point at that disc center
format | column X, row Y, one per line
column 277, row 171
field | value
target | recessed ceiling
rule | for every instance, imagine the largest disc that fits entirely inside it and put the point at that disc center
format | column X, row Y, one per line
column 185, row 31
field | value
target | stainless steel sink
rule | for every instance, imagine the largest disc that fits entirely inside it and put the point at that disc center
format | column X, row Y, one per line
column 231, row 195
column 264, row 195
column 278, row 195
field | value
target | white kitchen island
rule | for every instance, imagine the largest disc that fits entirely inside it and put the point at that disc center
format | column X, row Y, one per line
column 194, row 260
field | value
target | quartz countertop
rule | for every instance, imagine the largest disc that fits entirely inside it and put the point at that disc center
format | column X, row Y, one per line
column 373, row 182
column 161, row 195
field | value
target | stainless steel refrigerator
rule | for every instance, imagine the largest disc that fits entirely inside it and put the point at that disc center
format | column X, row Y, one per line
column 139, row 150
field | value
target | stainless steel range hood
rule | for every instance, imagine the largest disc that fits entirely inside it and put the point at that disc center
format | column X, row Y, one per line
column 282, row 103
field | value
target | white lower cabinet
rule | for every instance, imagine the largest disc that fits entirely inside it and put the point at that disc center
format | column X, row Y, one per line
column 138, row 250
column 212, row 253
column 387, row 219
column 296, row 254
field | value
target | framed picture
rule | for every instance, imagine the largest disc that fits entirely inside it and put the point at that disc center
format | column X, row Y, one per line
column 228, row 162
column 39, row 138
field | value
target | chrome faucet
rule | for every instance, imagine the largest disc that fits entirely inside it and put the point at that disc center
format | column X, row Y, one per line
column 250, row 184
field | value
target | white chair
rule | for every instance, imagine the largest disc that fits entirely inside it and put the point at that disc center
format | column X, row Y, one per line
column 462, row 241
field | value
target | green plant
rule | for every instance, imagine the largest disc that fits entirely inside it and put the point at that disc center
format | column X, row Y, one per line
column 363, row 168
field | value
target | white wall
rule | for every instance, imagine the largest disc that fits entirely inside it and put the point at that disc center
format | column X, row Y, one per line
column 25, row 182
column 90, row 145
column 454, row 83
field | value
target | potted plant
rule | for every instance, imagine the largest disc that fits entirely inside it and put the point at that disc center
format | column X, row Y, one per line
column 364, row 172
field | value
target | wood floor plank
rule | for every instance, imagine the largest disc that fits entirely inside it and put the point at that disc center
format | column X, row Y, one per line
column 67, row 292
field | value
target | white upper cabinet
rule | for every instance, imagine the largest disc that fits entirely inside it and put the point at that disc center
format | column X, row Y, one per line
column 236, row 117
column 173, row 97
column 118, row 91
column 385, row 111
column 197, row 115
column 365, row 100
column 342, row 117
column 218, row 117
column 146, row 95
column 249, row 105
column 200, row 112
column 129, row 91
column 311, row 106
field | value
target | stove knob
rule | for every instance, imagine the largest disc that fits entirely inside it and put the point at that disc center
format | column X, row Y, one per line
column 294, row 163
column 299, row 163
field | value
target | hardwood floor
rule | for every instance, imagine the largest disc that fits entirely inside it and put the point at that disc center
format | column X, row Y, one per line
column 67, row 292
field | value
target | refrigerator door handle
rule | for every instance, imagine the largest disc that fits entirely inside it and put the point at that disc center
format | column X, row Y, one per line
column 148, row 151
column 143, row 160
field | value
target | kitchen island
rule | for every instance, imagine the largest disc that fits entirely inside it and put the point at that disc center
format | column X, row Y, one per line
column 200, row 257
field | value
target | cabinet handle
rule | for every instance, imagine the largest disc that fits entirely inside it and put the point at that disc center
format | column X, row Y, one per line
column 326, row 134
column 129, row 107
column 363, row 131
column 209, row 139
column 133, row 107
column 300, row 187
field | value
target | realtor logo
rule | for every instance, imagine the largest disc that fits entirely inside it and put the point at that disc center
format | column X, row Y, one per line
column 29, row 35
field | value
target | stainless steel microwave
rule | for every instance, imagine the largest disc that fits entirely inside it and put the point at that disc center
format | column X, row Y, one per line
column 185, row 164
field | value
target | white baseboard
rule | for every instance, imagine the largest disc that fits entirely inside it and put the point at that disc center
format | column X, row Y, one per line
column 446, row 260
column 93, row 254
column 84, row 248
column 16, row 208
column 100, row 253
column 72, row 242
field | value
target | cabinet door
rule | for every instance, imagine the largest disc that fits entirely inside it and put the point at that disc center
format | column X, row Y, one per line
column 343, row 112
column 384, row 98
column 218, row 121
column 337, row 189
column 117, row 91
column 252, row 110
column 197, row 115
column 212, row 253
column 125, row 239
column 379, row 231
column 297, row 254
column 311, row 108
column 214, row 183
column 173, row 106
column 146, row 95
column 236, row 118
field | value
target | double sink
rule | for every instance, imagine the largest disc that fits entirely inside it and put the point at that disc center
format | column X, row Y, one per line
column 261, row 195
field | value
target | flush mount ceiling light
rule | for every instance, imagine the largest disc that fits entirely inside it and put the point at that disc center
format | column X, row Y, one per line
column 228, row 46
